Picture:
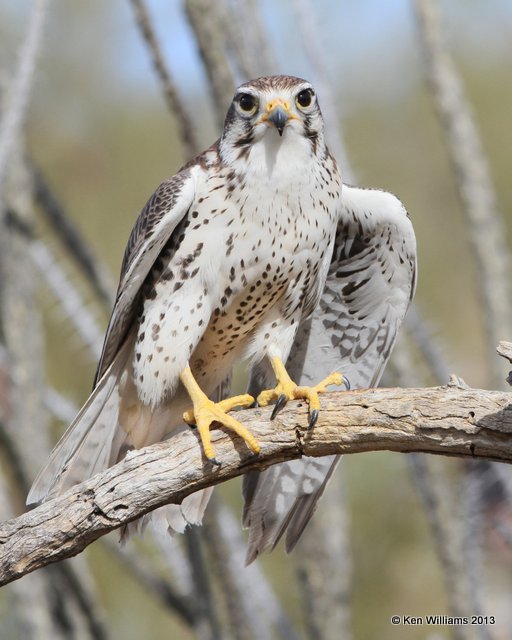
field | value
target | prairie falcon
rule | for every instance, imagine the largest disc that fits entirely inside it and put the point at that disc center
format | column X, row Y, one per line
column 249, row 243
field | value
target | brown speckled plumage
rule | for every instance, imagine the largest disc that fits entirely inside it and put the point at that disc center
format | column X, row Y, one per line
column 226, row 261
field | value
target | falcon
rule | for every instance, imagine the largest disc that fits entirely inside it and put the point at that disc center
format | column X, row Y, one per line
column 253, row 251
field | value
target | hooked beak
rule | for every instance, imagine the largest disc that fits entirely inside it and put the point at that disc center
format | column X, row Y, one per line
column 278, row 115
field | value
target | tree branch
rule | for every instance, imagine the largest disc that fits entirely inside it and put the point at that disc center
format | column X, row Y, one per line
column 81, row 253
column 443, row 420
column 18, row 96
column 187, row 131
column 485, row 224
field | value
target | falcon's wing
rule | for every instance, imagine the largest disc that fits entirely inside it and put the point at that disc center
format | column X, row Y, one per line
column 153, row 228
column 86, row 446
column 369, row 287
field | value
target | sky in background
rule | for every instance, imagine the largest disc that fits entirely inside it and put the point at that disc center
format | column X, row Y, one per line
column 368, row 45
column 100, row 130
column 357, row 34
column 95, row 78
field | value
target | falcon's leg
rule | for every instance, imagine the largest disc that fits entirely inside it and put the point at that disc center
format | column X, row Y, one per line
column 205, row 411
column 286, row 390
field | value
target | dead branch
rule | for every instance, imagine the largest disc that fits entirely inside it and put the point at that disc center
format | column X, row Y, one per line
column 81, row 253
column 442, row 420
column 18, row 96
column 205, row 18
column 473, row 178
column 438, row 507
column 186, row 128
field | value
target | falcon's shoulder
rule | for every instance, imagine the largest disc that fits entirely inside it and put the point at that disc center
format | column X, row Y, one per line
column 153, row 228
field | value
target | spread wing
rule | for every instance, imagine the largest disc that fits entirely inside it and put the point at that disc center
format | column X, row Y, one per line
column 153, row 228
column 369, row 286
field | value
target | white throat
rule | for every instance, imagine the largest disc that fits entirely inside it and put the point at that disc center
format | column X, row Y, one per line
column 279, row 160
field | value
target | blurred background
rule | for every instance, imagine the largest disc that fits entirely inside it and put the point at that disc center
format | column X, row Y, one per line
column 417, row 536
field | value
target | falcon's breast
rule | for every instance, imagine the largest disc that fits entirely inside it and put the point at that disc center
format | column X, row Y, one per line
column 257, row 238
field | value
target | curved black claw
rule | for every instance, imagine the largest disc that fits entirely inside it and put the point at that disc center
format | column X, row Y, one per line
column 346, row 382
column 313, row 417
column 280, row 403
column 214, row 461
column 248, row 459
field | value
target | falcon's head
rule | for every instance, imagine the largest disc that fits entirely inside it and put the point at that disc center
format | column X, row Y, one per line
column 277, row 109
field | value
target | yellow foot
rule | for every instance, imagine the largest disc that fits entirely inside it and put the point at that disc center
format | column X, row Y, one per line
column 205, row 411
column 286, row 390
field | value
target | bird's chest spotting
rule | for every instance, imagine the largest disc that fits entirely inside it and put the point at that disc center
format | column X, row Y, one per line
column 276, row 253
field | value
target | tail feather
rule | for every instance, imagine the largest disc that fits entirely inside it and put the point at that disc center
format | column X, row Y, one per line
column 85, row 448
column 306, row 504
column 283, row 499
column 173, row 518
column 112, row 422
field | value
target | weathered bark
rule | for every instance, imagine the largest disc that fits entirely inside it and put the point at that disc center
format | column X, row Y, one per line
column 443, row 420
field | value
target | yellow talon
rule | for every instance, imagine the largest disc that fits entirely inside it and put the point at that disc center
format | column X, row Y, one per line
column 205, row 411
column 286, row 389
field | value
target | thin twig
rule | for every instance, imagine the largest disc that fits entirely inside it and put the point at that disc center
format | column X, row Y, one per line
column 69, row 299
column 75, row 582
column 310, row 37
column 19, row 92
column 431, row 492
column 72, row 304
column 206, row 20
column 245, row 32
column 324, row 569
column 487, row 235
column 95, row 272
column 28, row 598
column 441, row 504
column 35, row 621
column 171, row 548
column 433, row 356
column 261, row 606
column 485, row 225
column 470, row 530
column 71, row 580
column 207, row 624
column 218, row 553
column 22, row 327
column 22, row 333
column 185, row 126
column 147, row 578
column 59, row 406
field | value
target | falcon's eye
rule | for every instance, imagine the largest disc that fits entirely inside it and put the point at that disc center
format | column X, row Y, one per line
column 304, row 99
column 247, row 102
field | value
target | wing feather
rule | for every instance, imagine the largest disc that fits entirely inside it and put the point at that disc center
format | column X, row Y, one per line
column 85, row 447
column 369, row 287
column 89, row 442
column 153, row 228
